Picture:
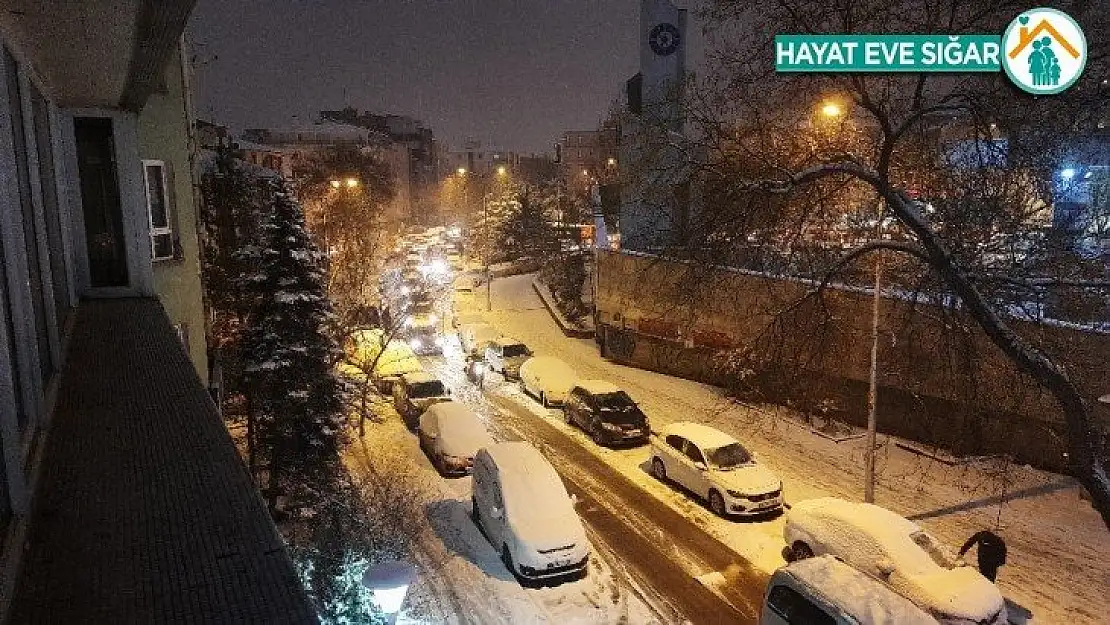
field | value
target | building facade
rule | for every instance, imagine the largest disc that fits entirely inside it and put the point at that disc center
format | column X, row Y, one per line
column 99, row 265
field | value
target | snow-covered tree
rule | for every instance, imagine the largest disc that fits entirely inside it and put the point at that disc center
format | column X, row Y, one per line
column 293, row 392
column 527, row 230
column 953, row 164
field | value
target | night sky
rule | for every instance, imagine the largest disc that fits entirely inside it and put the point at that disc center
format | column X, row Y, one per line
column 511, row 73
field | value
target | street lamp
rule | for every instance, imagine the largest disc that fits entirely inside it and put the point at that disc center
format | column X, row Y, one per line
column 352, row 183
column 612, row 162
column 831, row 109
column 335, row 184
column 501, row 170
column 461, row 171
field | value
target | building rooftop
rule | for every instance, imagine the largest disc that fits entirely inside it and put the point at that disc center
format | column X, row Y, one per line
column 144, row 511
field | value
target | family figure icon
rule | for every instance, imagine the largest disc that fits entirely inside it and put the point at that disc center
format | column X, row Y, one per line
column 1043, row 64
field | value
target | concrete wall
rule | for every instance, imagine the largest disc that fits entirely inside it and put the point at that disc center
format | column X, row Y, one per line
column 163, row 135
column 939, row 384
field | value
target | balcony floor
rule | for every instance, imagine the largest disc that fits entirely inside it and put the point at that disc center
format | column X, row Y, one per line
column 144, row 512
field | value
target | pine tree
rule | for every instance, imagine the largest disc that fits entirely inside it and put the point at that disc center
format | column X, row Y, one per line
column 288, row 359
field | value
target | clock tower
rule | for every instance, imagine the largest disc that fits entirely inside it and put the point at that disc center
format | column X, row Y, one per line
column 662, row 61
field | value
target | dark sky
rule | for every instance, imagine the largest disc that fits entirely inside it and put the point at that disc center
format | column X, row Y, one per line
column 511, row 73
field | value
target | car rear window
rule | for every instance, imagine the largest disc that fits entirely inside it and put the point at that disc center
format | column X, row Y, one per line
column 427, row 389
column 510, row 351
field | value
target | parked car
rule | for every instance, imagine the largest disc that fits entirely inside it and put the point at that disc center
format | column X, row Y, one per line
column 606, row 413
column 825, row 591
column 548, row 379
column 715, row 467
column 894, row 550
column 524, row 510
column 473, row 337
column 451, row 434
column 413, row 393
column 505, row 355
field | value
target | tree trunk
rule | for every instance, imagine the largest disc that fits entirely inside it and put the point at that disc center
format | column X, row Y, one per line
column 1084, row 440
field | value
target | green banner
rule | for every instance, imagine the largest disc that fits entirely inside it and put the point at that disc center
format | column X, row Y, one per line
column 888, row 53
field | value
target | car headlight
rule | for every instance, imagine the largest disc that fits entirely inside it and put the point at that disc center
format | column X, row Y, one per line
column 415, row 343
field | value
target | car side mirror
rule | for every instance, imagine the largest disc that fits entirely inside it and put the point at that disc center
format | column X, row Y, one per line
column 496, row 513
column 700, row 466
column 885, row 567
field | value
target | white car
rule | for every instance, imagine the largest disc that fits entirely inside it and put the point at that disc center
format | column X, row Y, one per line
column 896, row 551
column 505, row 356
column 715, row 467
column 451, row 434
column 521, row 505
column 474, row 337
column 825, row 590
column 548, row 379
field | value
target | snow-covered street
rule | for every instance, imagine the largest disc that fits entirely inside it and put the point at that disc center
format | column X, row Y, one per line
column 1056, row 572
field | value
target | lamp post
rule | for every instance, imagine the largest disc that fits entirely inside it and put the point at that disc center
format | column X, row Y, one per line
column 831, row 111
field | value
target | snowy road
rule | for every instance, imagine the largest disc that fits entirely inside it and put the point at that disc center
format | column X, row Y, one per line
column 1057, row 570
column 664, row 552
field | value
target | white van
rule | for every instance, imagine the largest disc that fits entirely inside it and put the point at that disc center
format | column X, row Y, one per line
column 826, row 591
column 524, row 510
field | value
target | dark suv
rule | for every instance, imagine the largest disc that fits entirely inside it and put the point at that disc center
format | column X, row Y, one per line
column 606, row 413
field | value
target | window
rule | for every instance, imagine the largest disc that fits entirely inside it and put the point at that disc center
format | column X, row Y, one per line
column 693, row 453
column 796, row 609
column 675, row 441
column 158, row 209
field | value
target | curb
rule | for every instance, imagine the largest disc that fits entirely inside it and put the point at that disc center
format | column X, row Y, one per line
column 567, row 330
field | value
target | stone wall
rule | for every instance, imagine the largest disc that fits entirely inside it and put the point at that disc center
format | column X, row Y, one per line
column 940, row 383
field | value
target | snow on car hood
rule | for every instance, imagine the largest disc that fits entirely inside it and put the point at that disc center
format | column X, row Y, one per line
column 750, row 479
column 960, row 592
column 550, row 532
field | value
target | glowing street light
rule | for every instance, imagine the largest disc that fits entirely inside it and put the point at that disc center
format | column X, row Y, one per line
column 352, row 183
column 335, row 184
column 501, row 171
column 831, row 109
column 461, row 171
column 612, row 162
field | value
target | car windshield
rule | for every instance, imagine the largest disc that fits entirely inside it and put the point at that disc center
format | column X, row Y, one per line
column 615, row 402
column 514, row 350
column 729, row 457
column 935, row 550
column 427, row 389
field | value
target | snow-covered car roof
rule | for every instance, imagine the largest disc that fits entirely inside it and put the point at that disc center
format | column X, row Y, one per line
column 866, row 517
column 521, row 465
column 864, row 598
column 701, row 435
column 418, row 377
column 547, row 365
column 597, row 387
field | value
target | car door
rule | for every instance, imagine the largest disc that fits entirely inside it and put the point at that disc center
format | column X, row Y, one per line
column 676, row 460
column 690, row 474
column 574, row 406
column 696, row 479
column 496, row 526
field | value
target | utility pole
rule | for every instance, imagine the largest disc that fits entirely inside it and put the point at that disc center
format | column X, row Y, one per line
column 873, row 384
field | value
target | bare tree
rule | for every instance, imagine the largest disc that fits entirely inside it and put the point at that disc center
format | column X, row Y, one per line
column 950, row 168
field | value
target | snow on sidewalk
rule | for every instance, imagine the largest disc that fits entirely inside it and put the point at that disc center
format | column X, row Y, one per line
column 462, row 578
column 1058, row 567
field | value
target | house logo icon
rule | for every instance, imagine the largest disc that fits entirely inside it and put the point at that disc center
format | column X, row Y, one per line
column 1044, row 51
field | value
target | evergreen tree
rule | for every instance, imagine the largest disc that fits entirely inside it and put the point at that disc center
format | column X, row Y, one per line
column 293, row 392
column 528, row 231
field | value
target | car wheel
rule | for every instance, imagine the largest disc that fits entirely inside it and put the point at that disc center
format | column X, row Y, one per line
column 596, row 435
column 659, row 469
column 717, row 504
column 800, row 550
